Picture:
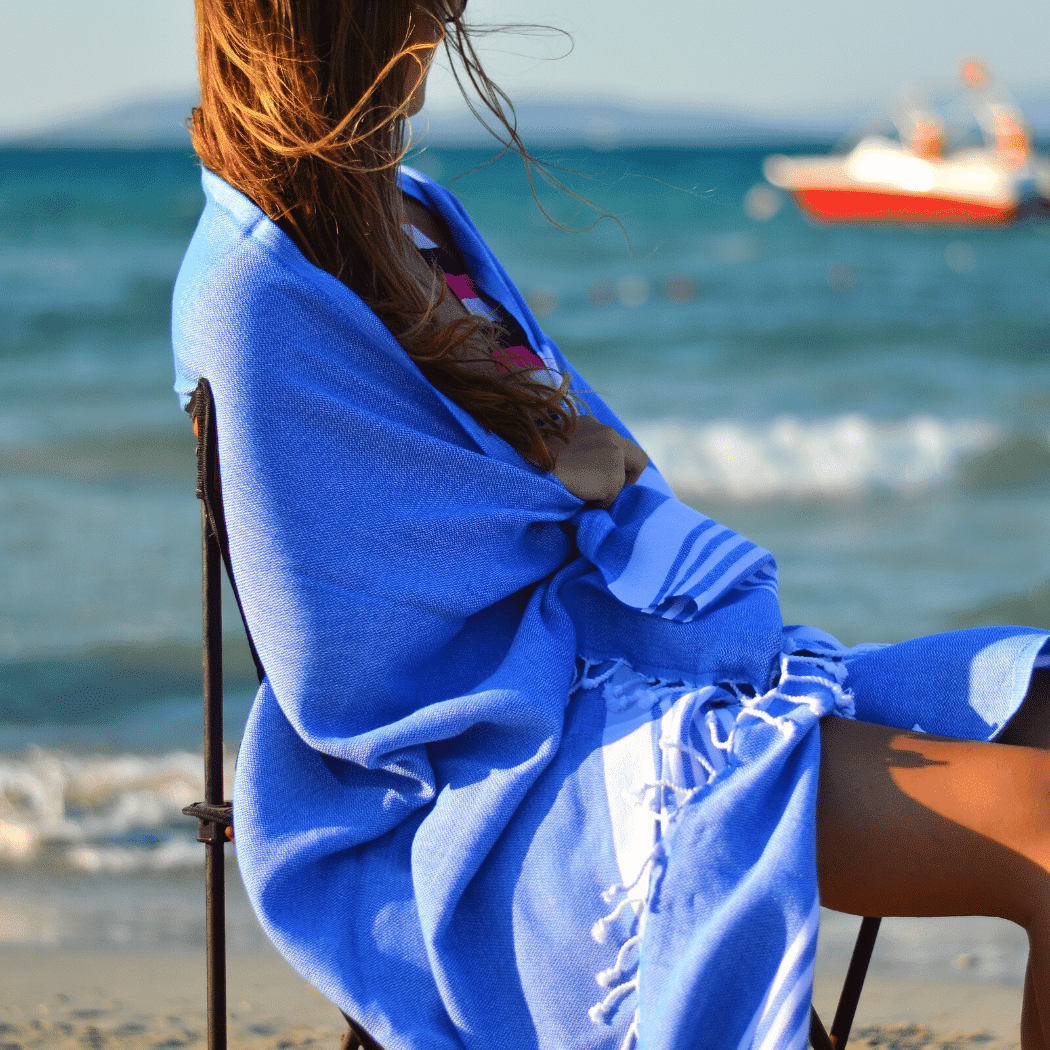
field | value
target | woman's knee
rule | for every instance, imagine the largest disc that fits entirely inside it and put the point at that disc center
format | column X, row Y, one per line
column 1024, row 798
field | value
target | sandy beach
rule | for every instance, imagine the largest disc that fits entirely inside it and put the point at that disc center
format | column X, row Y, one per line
column 52, row 999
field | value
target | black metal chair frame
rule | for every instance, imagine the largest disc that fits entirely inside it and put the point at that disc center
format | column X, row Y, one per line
column 215, row 813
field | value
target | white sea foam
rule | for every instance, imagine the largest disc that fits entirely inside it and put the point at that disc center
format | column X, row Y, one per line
column 112, row 813
column 844, row 456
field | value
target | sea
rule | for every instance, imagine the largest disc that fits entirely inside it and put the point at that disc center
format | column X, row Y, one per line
column 871, row 404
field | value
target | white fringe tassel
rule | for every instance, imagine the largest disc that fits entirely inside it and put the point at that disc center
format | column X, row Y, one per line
column 666, row 799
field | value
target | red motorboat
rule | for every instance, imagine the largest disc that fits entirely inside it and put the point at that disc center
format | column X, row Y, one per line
column 910, row 181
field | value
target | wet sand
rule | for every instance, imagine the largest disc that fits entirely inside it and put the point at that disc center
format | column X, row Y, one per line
column 54, row 999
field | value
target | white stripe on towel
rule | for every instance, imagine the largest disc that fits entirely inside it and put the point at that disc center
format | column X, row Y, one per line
column 788, row 971
column 627, row 756
column 656, row 547
column 688, row 578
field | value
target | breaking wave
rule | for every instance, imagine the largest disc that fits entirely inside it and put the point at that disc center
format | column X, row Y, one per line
column 845, row 456
column 101, row 813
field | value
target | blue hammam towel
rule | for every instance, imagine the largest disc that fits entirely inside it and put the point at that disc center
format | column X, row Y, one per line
column 522, row 772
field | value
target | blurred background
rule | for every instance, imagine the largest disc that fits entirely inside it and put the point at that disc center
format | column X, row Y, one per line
column 871, row 402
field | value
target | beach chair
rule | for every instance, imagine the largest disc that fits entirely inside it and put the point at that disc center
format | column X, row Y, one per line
column 215, row 813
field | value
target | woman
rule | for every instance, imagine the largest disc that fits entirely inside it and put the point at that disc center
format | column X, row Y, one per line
column 535, row 759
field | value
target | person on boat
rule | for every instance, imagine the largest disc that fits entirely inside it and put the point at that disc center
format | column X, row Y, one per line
column 921, row 127
column 535, row 761
column 927, row 138
column 925, row 134
column 1000, row 119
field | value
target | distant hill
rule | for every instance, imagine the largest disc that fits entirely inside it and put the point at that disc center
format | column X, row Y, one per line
column 161, row 122
column 135, row 124
column 606, row 125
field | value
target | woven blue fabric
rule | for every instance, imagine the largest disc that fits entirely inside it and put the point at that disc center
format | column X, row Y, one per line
column 522, row 772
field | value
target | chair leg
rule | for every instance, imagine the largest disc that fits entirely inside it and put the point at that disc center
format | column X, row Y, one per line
column 851, row 989
column 356, row 1038
column 818, row 1036
column 216, row 939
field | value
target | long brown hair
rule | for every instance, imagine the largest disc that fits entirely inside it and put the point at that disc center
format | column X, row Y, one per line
column 303, row 109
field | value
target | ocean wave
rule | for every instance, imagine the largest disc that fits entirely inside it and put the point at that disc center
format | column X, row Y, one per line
column 845, row 456
column 101, row 813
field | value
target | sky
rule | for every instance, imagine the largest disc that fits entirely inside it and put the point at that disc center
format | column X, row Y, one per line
column 60, row 58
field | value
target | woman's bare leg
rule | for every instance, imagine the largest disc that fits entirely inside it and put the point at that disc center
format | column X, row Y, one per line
column 910, row 824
